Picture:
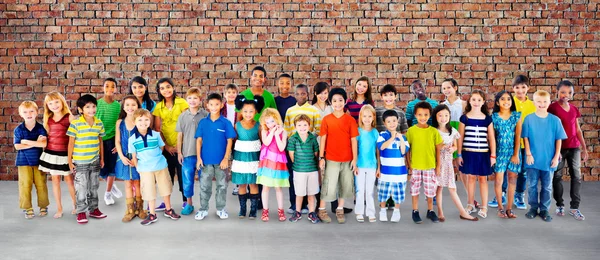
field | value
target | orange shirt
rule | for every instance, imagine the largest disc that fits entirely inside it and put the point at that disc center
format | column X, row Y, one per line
column 339, row 131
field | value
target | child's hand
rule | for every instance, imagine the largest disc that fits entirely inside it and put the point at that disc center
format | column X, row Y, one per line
column 180, row 158
column 459, row 161
column 224, row 164
column 514, row 159
column 72, row 167
column 125, row 161
column 554, row 163
column 530, row 160
column 279, row 129
column 134, row 162
column 199, row 164
column 438, row 171
column 492, row 161
column 322, row 164
column 41, row 138
column 171, row 150
column 584, row 155
column 114, row 150
column 353, row 167
column 378, row 174
column 101, row 164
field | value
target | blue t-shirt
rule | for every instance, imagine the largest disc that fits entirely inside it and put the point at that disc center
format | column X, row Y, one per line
column 31, row 156
column 145, row 106
column 393, row 163
column 148, row 152
column 214, row 136
column 367, row 145
column 542, row 134
column 283, row 104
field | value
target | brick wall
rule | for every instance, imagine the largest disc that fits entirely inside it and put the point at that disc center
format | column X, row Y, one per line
column 70, row 46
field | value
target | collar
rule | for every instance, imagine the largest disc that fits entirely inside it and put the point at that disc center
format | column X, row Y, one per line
column 144, row 137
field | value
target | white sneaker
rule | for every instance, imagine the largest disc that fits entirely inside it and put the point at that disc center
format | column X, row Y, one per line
column 396, row 216
column 108, row 199
column 222, row 214
column 116, row 192
column 291, row 211
column 383, row 215
column 201, row 214
column 236, row 190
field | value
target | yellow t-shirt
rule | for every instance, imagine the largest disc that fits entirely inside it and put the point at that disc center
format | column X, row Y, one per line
column 423, row 142
column 169, row 118
column 526, row 108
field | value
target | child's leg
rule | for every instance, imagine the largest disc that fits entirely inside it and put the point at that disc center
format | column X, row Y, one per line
column 360, row 184
column 498, row 184
column 532, row 188
column 147, row 189
column 458, row 204
column 429, row 186
column 208, row 172
column 93, row 185
column 311, row 203
column 265, row 197
column 188, row 174
column 472, row 179
column 279, row 196
column 574, row 161
column 152, row 206
column 71, row 186
column 483, row 190
column 109, row 183
column 415, row 187
column 57, row 195
column 346, row 184
column 25, row 186
column 128, row 189
column 369, row 187
column 512, row 183
column 439, row 199
column 243, row 189
column 253, row 188
column 299, row 200
column 81, row 187
column 330, row 183
column 221, row 192
column 165, row 187
column 546, row 190
column 41, row 187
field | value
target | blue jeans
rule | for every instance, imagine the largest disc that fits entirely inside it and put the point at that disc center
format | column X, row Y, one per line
column 188, row 171
column 521, row 177
column 545, row 177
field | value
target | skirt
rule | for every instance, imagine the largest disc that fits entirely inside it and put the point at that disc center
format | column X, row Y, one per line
column 476, row 163
column 125, row 172
column 55, row 163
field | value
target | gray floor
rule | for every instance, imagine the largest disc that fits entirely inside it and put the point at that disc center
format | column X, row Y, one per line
column 491, row 238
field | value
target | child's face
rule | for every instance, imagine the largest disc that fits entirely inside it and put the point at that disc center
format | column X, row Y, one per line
column 367, row 118
column 138, row 89
column 109, row 88
column 565, row 93
column 248, row 112
column 422, row 115
column 521, row 90
column 448, row 89
column 270, row 122
column 505, row 101
column 391, row 123
column 193, row 101
column 302, row 127
column 130, row 106
column 166, row 89
column 443, row 117
column 338, row 102
column 323, row 95
column 28, row 113
column 214, row 106
column 142, row 122
column 541, row 103
column 418, row 90
column 476, row 102
column 301, row 96
column 361, row 87
column 55, row 105
column 88, row 110
column 258, row 79
column 230, row 94
column 389, row 98
column 284, row 85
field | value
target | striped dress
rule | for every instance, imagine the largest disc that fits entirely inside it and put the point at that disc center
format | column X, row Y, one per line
column 475, row 148
column 246, row 153
column 272, row 169
column 54, row 158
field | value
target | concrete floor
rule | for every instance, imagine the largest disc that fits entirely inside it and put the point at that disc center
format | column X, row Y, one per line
column 491, row 238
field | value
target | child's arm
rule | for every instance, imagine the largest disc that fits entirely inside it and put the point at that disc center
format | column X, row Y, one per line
column 267, row 136
column 225, row 161
column 40, row 142
column 492, row 143
column 179, row 146
column 389, row 142
column 119, row 146
column 515, row 157
column 322, row 152
column 461, row 132
column 134, row 160
column 584, row 151
column 438, row 156
column 101, row 152
column 378, row 172
column 281, row 141
column 407, row 161
column 354, row 155
column 70, row 153
column 530, row 159
column 199, row 163
column 558, row 145
column 291, row 153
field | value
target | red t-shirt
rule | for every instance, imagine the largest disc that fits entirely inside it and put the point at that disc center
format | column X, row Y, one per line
column 58, row 141
column 569, row 123
column 339, row 131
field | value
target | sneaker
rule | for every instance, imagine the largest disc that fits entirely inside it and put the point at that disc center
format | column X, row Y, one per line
column 493, row 203
column 116, row 192
column 339, row 214
column 323, row 216
column 560, row 211
column 82, row 218
column 161, row 207
column 171, row 214
column 545, row 215
column 383, row 215
column 304, row 211
column 236, row 190
column 396, row 216
column 296, row 216
column 313, row 217
column 97, row 214
column 416, row 217
column 188, row 209
column 520, row 201
column 222, row 214
column 108, row 199
column 183, row 205
column 201, row 214
column 151, row 218
column 531, row 214
column 576, row 214
column 291, row 210
column 431, row 215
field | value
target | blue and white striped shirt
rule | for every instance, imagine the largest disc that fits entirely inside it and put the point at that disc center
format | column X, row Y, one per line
column 393, row 167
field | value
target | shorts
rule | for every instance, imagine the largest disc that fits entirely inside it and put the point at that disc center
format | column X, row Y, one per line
column 110, row 159
column 338, row 175
column 149, row 181
column 429, row 182
column 306, row 183
column 385, row 190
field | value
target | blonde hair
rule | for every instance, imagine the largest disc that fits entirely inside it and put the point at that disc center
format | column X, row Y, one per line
column 270, row 112
column 541, row 94
column 302, row 117
column 47, row 113
column 366, row 108
column 28, row 104
column 194, row 91
column 142, row 112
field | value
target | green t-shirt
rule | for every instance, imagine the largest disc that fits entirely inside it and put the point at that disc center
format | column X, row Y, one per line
column 423, row 143
column 108, row 114
column 304, row 152
column 267, row 96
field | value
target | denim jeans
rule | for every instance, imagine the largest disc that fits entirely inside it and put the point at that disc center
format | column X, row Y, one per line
column 521, row 177
column 210, row 171
column 188, row 170
column 572, row 156
column 545, row 179
column 86, row 186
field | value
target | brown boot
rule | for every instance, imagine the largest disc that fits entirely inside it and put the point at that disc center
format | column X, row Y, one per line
column 139, row 208
column 129, row 214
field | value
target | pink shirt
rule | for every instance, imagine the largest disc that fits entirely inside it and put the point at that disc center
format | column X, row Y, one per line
column 569, row 123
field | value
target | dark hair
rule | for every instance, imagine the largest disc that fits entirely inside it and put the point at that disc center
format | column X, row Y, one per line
column 388, row 88
column 521, row 79
column 484, row 109
column 163, row 80
column 123, row 114
column 258, row 102
column 415, row 83
column 231, row 86
column 422, row 105
column 85, row 99
column 389, row 113
column 453, row 82
column 216, row 96
column 284, row 75
column 434, row 121
column 318, row 89
column 111, row 80
column 146, row 98
column 304, row 86
column 337, row 91
column 564, row 83
column 513, row 106
column 368, row 94
column 261, row 69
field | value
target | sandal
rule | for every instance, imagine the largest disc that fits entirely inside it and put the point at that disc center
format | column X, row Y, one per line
column 281, row 215
column 29, row 214
column 476, row 204
column 442, row 219
column 471, row 208
column 372, row 219
column 360, row 218
column 510, row 214
column 265, row 215
column 481, row 213
column 469, row 219
column 502, row 213
column 43, row 212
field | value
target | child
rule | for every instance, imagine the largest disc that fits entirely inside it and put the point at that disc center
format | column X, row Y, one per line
column 389, row 96
column 57, row 118
column 146, row 147
column 124, row 167
column 418, row 89
column 303, row 149
column 258, row 78
column 139, row 88
column 542, row 134
column 166, row 113
column 507, row 125
column 441, row 119
column 367, row 164
column 570, row 150
column 229, row 112
column 392, row 147
column 362, row 96
column 284, row 101
column 272, row 169
column 337, row 156
column 426, row 143
column 108, row 112
column 246, row 153
column 29, row 139
column 186, row 126
column 214, row 138
column 321, row 103
column 477, row 149
column 86, row 157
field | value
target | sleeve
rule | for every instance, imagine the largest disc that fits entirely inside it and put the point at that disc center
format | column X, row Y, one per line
column 291, row 145
column 72, row 131
column 130, row 146
column 455, row 134
column 463, row 119
column 315, row 145
column 229, row 131
column 560, row 133
column 525, row 129
column 403, row 124
column 184, row 105
column 102, row 131
column 409, row 112
column 316, row 121
column 323, row 130
column 437, row 137
column 178, row 126
column 161, row 142
column 353, row 127
column 18, row 135
column 199, row 129
column 287, row 123
column 157, row 109
column 406, row 143
column 381, row 139
column 409, row 135
column 577, row 114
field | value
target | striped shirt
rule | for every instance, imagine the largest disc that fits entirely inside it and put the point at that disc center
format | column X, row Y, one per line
column 354, row 107
column 147, row 150
column 311, row 111
column 393, row 167
column 30, row 156
column 475, row 137
column 108, row 114
column 304, row 152
column 87, row 139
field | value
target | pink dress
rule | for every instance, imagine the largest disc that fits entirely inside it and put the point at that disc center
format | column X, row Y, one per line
column 446, row 178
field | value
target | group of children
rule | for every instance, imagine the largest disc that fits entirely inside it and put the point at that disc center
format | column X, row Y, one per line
column 333, row 150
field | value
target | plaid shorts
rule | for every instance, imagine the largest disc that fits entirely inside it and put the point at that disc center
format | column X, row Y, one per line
column 395, row 190
column 429, row 182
